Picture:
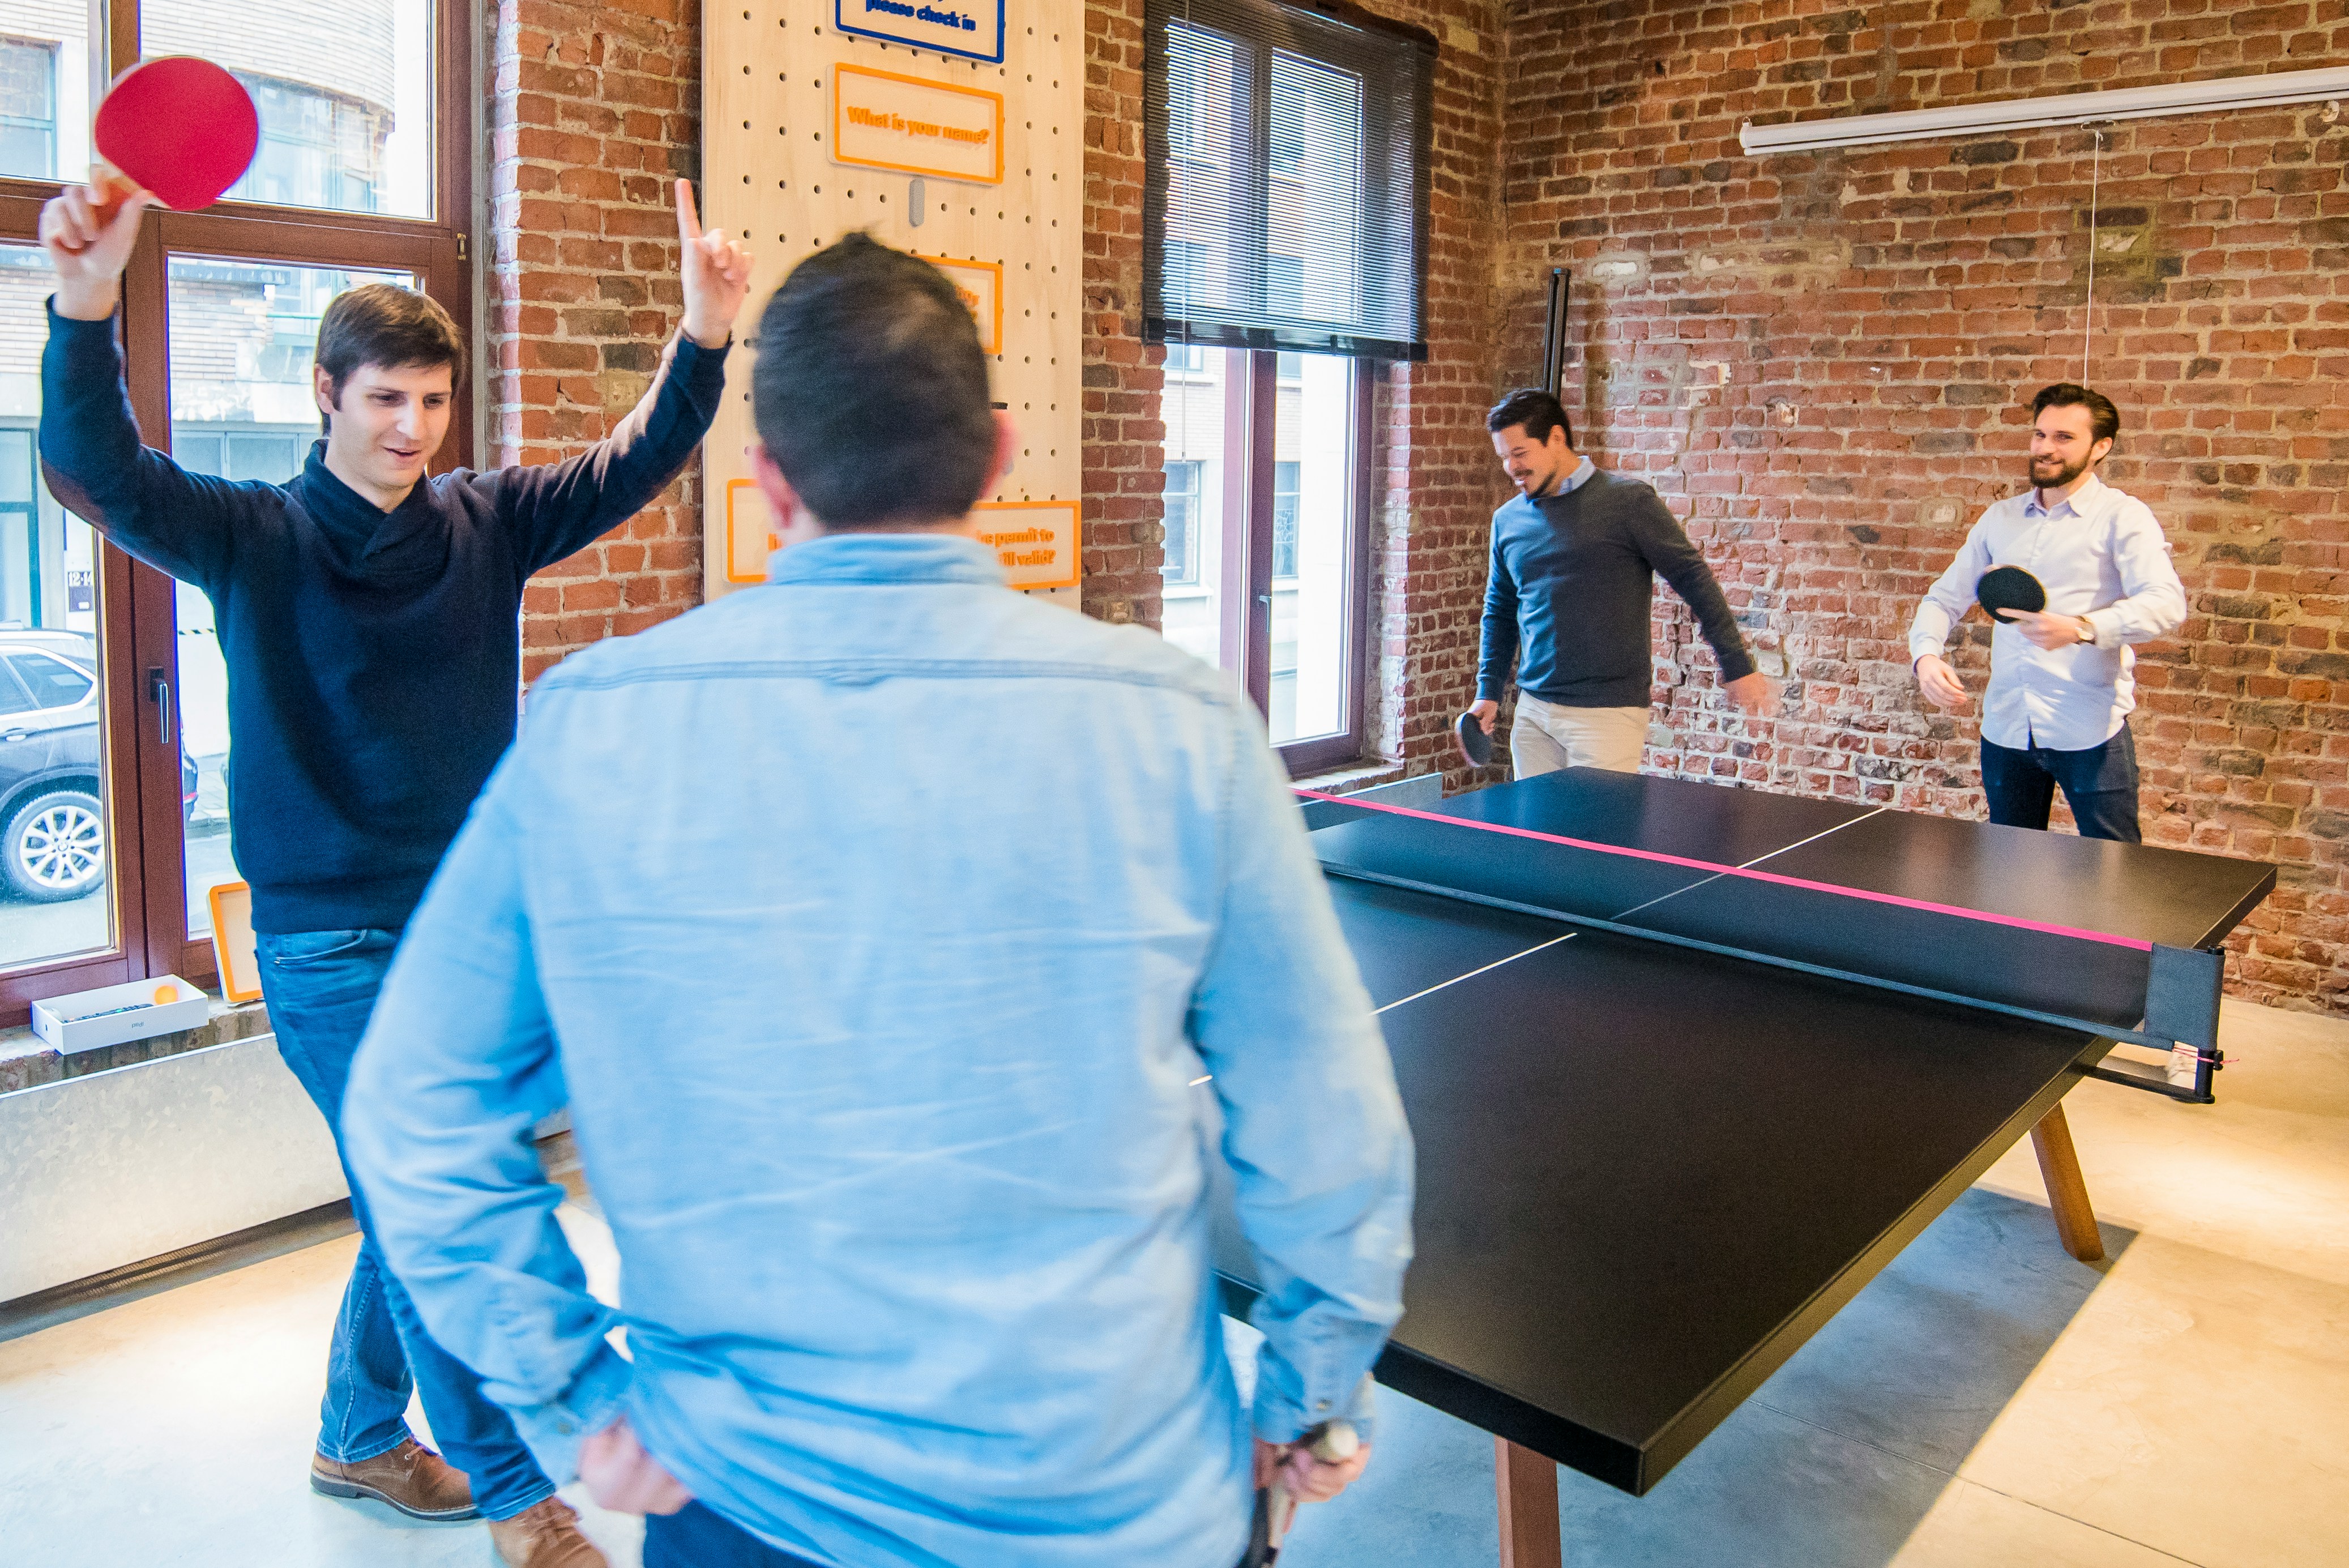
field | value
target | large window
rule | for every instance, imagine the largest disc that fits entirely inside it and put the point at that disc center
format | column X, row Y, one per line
column 1284, row 216
column 114, row 753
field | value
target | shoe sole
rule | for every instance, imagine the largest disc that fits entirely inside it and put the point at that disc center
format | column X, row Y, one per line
column 325, row 1488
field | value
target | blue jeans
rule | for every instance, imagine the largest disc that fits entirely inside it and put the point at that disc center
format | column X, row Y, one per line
column 321, row 986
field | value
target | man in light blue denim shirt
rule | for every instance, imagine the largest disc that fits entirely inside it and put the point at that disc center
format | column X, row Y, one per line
column 880, row 927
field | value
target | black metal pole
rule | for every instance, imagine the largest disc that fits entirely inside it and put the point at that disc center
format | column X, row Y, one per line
column 1554, row 338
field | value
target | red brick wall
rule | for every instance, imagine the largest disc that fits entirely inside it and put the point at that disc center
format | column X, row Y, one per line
column 1822, row 361
column 596, row 108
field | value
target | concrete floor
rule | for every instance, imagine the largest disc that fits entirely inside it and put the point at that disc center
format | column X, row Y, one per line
column 1985, row 1402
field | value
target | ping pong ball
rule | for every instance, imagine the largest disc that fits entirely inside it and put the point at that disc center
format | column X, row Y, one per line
column 166, row 994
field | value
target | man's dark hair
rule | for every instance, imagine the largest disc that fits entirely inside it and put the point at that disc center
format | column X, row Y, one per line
column 1538, row 412
column 2103, row 420
column 385, row 324
column 870, row 391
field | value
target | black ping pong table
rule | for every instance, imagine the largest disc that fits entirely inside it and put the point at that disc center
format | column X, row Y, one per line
column 1688, row 1065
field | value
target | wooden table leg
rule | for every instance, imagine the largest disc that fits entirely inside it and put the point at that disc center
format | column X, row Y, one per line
column 1526, row 1483
column 2067, row 1194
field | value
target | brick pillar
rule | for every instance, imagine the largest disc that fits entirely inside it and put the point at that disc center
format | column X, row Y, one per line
column 596, row 108
column 1125, row 438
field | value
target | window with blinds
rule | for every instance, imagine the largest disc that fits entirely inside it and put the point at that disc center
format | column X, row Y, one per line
column 1286, row 201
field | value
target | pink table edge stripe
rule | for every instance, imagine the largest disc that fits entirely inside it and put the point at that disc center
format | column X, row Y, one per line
column 1988, row 918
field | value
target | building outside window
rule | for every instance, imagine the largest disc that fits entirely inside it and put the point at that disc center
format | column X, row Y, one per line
column 318, row 149
column 1284, row 521
column 1182, row 568
column 29, row 108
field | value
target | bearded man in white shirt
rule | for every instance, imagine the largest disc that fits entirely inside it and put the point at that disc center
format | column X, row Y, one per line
column 2056, row 710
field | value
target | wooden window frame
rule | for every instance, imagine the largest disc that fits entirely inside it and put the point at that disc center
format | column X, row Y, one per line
column 1244, row 589
column 139, row 625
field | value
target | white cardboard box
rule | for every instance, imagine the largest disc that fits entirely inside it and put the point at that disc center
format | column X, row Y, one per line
column 87, row 1020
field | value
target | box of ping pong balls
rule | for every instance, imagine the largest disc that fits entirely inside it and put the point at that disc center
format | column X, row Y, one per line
column 136, row 1010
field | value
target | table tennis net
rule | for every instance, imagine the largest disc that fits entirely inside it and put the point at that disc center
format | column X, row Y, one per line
column 2118, row 986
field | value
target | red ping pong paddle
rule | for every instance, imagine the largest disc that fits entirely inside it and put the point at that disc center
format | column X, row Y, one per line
column 177, row 127
column 2004, row 588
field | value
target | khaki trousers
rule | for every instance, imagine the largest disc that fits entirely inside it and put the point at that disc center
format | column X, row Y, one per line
column 1548, row 737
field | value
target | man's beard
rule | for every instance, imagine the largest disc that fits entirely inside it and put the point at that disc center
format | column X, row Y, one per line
column 2063, row 476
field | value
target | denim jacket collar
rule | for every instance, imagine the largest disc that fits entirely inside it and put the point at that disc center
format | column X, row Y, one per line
column 898, row 558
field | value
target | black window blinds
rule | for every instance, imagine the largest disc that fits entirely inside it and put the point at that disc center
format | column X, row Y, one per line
column 1286, row 201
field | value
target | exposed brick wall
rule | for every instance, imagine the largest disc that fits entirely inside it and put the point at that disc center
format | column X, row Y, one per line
column 1824, row 362
column 596, row 109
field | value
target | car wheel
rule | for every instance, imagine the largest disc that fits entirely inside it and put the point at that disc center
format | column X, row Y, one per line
column 55, row 847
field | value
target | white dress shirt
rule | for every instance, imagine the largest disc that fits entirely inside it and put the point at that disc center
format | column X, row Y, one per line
column 2101, row 556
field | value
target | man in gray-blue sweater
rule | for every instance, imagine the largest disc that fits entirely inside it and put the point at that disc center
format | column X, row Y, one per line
column 369, row 613
column 1574, row 558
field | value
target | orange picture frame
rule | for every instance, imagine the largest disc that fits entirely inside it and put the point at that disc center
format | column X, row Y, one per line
column 232, row 941
column 991, row 327
column 735, row 543
column 841, row 74
column 1069, row 543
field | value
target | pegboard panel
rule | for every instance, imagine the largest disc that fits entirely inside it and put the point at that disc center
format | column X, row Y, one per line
column 797, row 152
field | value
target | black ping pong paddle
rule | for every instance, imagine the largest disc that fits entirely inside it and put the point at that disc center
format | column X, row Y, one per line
column 2004, row 588
column 1474, row 744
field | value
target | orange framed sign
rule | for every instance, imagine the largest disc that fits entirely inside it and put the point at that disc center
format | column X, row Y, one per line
column 881, row 119
column 232, row 944
column 980, row 284
column 1037, row 541
column 750, row 532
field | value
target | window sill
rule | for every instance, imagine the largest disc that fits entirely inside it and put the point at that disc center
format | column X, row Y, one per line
column 28, row 1061
column 1353, row 776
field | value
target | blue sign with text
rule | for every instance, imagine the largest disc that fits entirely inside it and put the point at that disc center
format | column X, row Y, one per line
column 971, row 28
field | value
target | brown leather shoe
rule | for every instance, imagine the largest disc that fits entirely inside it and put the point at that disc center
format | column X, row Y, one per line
column 544, row 1535
column 411, row 1478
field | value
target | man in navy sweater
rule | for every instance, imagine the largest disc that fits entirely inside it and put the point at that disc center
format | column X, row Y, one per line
column 369, row 614
column 1575, row 559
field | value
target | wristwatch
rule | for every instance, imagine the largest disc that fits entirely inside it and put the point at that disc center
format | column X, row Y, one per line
column 2087, row 630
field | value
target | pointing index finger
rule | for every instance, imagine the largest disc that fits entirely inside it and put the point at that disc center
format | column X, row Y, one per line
column 688, row 223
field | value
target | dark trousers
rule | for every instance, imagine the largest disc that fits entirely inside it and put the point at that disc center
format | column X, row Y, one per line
column 2099, row 784
column 699, row 1537
column 321, row 987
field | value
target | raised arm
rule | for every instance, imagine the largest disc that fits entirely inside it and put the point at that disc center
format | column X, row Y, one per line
column 1313, row 1127
column 564, row 507
column 458, row 1065
column 91, row 454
